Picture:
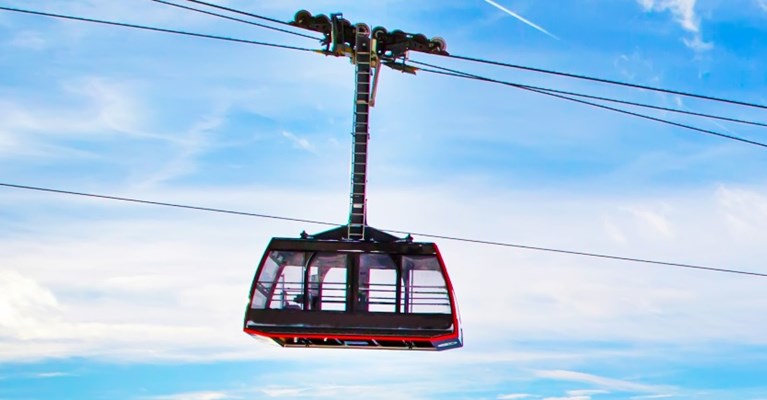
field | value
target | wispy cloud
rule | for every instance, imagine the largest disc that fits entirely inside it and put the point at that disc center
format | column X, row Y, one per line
column 196, row 141
column 657, row 223
column 514, row 396
column 52, row 374
column 681, row 104
column 682, row 10
column 193, row 396
column 762, row 4
column 283, row 392
column 697, row 44
column 299, row 142
column 684, row 13
column 28, row 40
column 588, row 301
column 521, row 18
column 603, row 382
column 586, row 392
column 89, row 109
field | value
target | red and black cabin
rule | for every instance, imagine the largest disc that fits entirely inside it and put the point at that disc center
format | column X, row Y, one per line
column 328, row 291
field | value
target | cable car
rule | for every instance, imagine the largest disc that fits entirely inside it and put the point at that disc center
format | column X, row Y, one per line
column 325, row 291
column 354, row 286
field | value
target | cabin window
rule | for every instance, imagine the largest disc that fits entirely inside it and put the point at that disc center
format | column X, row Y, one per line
column 424, row 289
column 388, row 283
column 282, row 284
column 264, row 283
column 328, row 282
column 377, row 290
column 281, row 281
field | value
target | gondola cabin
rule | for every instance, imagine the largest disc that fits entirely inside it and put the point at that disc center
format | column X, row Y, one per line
column 355, row 286
column 383, row 293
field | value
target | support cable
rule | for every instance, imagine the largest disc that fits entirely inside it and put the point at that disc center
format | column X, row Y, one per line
column 236, row 19
column 453, row 238
column 236, row 11
column 608, row 81
column 464, row 75
column 547, row 92
column 531, row 69
column 155, row 29
column 526, row 68
column 609, row 99
column 444, row 71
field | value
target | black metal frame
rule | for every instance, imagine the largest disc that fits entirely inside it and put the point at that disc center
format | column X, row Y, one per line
column 353, row 321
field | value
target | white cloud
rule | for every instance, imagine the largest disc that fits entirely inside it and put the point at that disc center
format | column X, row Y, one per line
column 160, row 15
column 657, row 223
column 586, row 392
column 514, row 396
column 684, row 13
column 283, row 392
column 52, row 374
column 29, row 40
column 24, row 303
column 195, row 141
column 696, row 43
column 762, row 4
column 603, row 382
column 299, row 142
column 141, row 266
column 194, row 396
column 568, row 398
column 92, row 108
column 744, row 211
column 682, row 10
column 614, row 232
column 637, row 67
column 114, row 108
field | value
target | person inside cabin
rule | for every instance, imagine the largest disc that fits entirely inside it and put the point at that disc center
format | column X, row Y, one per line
column 314, row 294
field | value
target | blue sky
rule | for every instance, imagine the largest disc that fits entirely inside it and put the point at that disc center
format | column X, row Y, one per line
column 103, row 300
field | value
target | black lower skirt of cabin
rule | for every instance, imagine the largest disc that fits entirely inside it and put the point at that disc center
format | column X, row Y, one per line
column 358, row 344
column 370, row 344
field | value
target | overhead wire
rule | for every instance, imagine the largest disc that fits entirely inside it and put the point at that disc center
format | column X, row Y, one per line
column 236, row 11
column 236, row 19
column 607, row 81
column 608, row 99
column 531, row 69
column 583, row 95
column 452, row 238
column 445, row 71
column 155, row 29
column 553, row 93
column 460, row 74
column 164, row 204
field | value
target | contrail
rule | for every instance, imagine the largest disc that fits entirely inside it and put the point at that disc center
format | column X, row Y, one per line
column 519, row 17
